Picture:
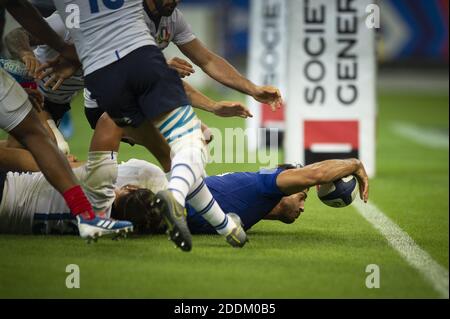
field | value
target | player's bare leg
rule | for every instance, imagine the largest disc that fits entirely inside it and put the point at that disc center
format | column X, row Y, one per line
column 31, row 133
column 146, row 135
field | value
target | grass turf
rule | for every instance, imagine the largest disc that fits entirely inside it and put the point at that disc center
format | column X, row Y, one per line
column 323, row 254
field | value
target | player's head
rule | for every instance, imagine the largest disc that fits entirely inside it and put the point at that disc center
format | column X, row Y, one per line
column 135, row 205
column 165, row 7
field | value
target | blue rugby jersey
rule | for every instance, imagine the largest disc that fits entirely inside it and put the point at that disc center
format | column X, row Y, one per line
column 251, row 195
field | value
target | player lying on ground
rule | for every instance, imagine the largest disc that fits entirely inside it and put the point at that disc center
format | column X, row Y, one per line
column 128, row 76
column 19, row 118
column 275, row 194
column 30, row 204
column 186, row 163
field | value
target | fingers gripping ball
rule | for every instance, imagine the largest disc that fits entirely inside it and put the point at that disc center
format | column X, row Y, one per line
column 340, row 193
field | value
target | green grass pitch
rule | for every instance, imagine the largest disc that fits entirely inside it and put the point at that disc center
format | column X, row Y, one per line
column 323, row 254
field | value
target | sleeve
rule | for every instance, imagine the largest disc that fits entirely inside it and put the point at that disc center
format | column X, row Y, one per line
column 153, row 177
column 183, row 32
column 56, row 23
column 267, row 184
column 100, row 179
column 148, row 175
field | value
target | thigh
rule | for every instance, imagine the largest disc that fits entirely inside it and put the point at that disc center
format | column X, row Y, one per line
column 14, row 103
column 110, row 87
column 158, row 87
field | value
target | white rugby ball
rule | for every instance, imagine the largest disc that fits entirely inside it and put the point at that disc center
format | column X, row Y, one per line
column 340, row 193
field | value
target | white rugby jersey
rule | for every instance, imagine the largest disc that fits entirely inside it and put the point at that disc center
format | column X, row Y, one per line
column 109, row 30
column 142, row 174
column 170, row 29
column 31, row 205
column 12, row 99
column 44, row 53
column 6, row 83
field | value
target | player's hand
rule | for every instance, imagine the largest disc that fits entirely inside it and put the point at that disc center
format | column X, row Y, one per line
column 269, row 95
column 363, row 181
column 183, row 67
column 230, row 109
column 31, row 63
column 58, row 70
column 207, row 134
column 36, row 98
column 71, row 158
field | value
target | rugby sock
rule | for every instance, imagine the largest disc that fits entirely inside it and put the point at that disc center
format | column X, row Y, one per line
column 187, row 168
column 181, row 128
column 62, row 144
column 181, row 181
column 206, row 206
column 78, row 203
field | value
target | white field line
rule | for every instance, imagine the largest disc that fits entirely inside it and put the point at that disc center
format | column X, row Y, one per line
column 426, row 137
column 415, row 256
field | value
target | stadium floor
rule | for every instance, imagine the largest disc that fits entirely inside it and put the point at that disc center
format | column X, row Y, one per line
column 323, row 254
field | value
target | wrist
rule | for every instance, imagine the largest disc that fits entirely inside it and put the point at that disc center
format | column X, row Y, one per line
column 357, row 163
column 211, row 106
column 60, row 46
column 253, row 90
column 26, row 53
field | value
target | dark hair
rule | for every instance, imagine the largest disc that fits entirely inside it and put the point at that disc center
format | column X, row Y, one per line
column 137, row 207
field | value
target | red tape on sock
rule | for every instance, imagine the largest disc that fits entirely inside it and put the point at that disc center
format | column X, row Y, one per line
column 78, row 202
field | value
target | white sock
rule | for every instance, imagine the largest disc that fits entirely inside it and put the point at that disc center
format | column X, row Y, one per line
column 62, row 144
column 186, row 170
column 203, row 202
column 181, row 181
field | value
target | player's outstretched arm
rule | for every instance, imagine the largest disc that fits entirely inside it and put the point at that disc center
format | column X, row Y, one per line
column 33, row 22
column 222, row 71
column 18, row 44
column 222, row 108
column 16, row 159
column 296, row 180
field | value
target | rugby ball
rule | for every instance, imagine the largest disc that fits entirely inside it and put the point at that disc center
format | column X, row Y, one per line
column 340, row 193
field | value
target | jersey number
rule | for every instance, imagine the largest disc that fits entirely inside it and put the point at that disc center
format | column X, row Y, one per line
column 110, row 4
